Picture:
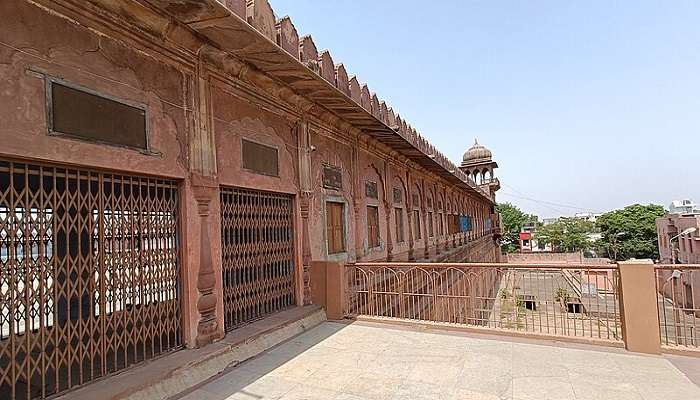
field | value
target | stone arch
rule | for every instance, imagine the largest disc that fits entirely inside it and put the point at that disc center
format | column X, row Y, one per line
column 417, row 190
column 371, row 170
column 399, row 183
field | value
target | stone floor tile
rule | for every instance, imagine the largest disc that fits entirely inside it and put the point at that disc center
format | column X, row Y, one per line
column 373, row 387
column 265, row 388
column 467, row 394
column 304, row 392
column 355, row 362
column 201, row 395
column 542, row 388
column 413, row 390
column 486, row 381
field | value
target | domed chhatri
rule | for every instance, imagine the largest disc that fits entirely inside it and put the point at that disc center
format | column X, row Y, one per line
column 477, row 153
column 478, row 164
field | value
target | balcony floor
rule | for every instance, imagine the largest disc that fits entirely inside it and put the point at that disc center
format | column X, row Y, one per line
column 366, row 360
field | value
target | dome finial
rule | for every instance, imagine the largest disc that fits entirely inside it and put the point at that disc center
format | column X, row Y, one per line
column 477, row 153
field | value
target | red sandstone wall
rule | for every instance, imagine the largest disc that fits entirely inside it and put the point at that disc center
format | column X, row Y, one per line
column 50, row 45
column 235, row 119
column 37, row 44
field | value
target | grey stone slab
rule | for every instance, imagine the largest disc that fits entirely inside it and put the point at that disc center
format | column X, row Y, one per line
column 356, row 362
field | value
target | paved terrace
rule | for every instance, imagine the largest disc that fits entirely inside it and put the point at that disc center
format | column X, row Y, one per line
column 366, row 360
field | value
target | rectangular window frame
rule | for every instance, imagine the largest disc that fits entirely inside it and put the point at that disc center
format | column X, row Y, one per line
column 331, row 231
column 431, row 231
column 398, row 222
column 256, row 172
column 416, row 225
column 50, row 80
column 373, row 234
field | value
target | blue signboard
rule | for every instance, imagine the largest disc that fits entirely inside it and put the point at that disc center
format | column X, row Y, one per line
column 465, row 223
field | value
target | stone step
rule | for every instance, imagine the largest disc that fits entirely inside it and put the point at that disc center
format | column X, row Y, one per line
column 170, row 375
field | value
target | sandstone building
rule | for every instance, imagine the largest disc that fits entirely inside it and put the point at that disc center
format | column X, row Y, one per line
column 171, row 170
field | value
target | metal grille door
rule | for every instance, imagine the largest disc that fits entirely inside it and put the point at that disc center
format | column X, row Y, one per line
column 89, row 275
column 258, row 254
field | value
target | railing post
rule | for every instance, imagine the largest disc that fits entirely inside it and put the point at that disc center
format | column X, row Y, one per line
column 639, row 306
column 335, row 290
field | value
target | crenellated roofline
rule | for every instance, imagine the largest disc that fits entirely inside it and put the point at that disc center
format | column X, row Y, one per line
column 249, row 30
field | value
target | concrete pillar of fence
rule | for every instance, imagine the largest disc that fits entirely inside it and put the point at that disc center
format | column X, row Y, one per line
column 335, row 290
column 640, row 318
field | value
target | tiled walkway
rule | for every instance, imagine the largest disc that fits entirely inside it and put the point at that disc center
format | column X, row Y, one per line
column 374, row 361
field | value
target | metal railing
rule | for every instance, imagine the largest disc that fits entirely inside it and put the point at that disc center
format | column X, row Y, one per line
column 678, row 288
column 571, row 300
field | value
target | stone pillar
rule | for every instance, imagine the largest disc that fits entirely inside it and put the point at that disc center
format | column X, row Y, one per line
column 202, row 232
column 388, row 201
column 305, row 202
column 409, row 216
column 461, row 234
column 305, row 208
column 357, row 201
column 426, row 223
column 437, row 211
column 335, row 290
column 639, row 307
column 210, row 326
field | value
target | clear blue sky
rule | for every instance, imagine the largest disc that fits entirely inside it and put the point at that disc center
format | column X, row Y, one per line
column 590, row 104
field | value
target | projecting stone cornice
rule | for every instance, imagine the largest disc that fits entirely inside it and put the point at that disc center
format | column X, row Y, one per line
column 298, row 74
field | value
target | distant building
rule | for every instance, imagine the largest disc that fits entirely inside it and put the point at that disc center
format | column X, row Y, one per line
column 528, row 239
column 550, row 221
column 684, row 207
column 587, row 216
column 675, row 247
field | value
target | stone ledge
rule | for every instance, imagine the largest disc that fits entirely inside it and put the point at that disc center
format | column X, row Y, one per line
column 172, row 374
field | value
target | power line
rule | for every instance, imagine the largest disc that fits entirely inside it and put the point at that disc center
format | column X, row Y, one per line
column 535, row 201
column 544, row 202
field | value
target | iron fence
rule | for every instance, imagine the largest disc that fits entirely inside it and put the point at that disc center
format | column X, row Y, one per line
column 89, row 275
column 557, row 299
column 678, row 288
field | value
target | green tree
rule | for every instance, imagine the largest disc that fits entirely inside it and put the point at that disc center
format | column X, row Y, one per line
column 566, row 235
column 630, row 232
column 512, row 219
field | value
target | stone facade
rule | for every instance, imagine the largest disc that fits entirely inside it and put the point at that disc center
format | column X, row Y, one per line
column 685, row 248
column 209, row 76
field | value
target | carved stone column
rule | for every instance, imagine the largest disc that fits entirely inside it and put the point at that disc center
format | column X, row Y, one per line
column 388, row 200
column 409, row 216
column 205, row 189
column 305, row 203
column 436, row 214
column 305, row 208
column 426, row 223
column 357, row 201
column 461, row 212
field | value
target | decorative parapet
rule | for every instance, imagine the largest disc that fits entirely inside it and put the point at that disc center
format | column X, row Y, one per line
column 287, row 36
column 260, row 15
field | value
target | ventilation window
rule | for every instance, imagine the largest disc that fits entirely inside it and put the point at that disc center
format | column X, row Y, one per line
column 259, row 158
column 371, row 190
column 79, row 113
column 332, row 177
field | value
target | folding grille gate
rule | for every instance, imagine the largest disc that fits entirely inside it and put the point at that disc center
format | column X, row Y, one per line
column 257, row 253
column 89, row 275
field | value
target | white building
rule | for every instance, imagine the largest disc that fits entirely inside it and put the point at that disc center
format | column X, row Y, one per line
column 684, row 207
column 588, row 216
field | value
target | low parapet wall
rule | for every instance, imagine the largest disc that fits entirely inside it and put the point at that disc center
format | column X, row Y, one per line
column 545, row 258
